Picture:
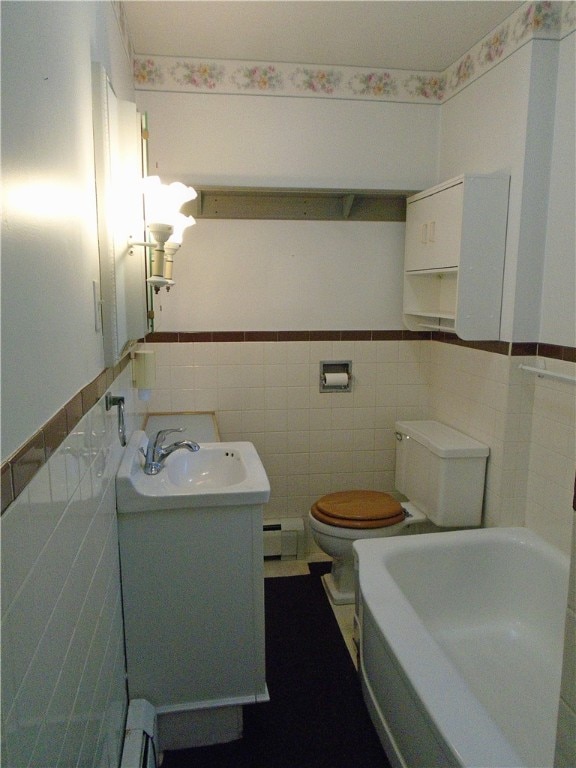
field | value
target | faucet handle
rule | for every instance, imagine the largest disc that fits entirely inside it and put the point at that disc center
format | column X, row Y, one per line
column 163, row 433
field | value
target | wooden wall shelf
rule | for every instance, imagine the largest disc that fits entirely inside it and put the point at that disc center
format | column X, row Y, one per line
column 298, row 204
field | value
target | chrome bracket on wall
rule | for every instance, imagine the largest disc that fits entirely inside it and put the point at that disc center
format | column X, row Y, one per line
column 112, row 400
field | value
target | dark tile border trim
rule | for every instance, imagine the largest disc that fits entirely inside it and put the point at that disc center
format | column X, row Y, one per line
column 20, row 468
column 536, row 349
column 176, row 337
column 556, row 352
column 497, row 347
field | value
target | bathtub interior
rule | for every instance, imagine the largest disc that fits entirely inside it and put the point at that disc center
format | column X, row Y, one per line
column 488, row 608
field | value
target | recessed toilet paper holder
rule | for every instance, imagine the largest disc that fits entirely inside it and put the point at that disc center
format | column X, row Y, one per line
column 335, row 375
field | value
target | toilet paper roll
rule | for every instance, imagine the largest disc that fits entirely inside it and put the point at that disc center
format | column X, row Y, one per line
column 336, row 379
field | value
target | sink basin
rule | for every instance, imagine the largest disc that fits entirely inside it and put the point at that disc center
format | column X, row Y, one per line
column 219, row 474
column 214, row 466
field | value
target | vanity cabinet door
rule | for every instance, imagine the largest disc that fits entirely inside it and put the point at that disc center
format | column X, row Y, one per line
column 193, row 587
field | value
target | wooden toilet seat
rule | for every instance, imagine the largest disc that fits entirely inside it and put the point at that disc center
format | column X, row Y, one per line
column 358, row 509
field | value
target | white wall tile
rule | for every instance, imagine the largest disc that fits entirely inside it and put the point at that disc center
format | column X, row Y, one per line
column 182, row 377
column 205, row 353
column 387, row 351
column 295, row 352
column 566, row 731
column 187, row 400
column 163, row 377
column 528, row 425
column 62, row 673
column 176, row 354
column 268, row 391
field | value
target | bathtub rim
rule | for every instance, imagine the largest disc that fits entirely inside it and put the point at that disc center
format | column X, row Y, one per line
column 451, row 703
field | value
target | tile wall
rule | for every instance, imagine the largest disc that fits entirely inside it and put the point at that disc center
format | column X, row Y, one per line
column 63, row 690
column 311, row 443
column 529, row 424
column 550, row 484
column 566, row 732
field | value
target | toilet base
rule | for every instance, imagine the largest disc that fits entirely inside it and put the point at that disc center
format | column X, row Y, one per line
column 336, row 595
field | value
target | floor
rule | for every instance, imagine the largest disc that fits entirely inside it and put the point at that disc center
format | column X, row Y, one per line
column 316, row 716
column 344, row 613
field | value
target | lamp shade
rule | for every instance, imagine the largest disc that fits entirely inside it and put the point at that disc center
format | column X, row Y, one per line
column 163, row 201
column 180, row 224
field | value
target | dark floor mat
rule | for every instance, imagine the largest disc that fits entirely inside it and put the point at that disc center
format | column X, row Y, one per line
column 316, row 717
column 320, row 568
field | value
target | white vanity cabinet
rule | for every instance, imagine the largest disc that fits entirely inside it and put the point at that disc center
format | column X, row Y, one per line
column 192, row 570
column 454, row 256
column 193, row 589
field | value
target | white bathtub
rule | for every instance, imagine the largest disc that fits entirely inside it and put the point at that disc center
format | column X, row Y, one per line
column 461, row 639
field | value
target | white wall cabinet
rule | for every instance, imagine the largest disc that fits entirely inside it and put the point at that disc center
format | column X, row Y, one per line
column 454, row 256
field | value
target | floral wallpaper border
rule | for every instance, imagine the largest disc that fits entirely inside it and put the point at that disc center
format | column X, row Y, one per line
column 533, row 20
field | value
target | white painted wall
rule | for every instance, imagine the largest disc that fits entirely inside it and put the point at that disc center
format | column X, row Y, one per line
column 484, row 130
column 558, row 315
column 63, row 689
column 293, row 275
column 290, row 142
column 50, row 348
column 513, row 119
column 278, row 275
column 502, row 122
column 505, row 121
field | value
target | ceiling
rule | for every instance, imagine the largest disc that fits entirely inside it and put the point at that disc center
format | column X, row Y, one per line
column 420, row 35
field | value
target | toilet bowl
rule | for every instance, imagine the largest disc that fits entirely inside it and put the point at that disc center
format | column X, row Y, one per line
column 339, row 519
column 440, row 470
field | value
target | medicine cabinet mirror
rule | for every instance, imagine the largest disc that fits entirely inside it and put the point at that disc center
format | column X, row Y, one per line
column 120, row 298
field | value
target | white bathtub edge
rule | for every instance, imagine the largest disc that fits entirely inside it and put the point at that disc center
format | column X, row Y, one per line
column 450, row 704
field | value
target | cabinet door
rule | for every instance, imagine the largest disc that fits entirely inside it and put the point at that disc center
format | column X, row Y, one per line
column 445, row 228
column 433, row 230
column 418, row 214
column 193, row 586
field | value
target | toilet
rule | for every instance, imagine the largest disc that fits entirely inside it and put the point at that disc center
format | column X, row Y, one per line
column 440, row 471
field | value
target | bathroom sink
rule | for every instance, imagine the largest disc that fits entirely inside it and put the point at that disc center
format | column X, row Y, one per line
column 219, row 474
column 214, row 466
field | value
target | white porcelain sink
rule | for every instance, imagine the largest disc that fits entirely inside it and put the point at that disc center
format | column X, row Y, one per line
column 219, row 474
column 214, row 466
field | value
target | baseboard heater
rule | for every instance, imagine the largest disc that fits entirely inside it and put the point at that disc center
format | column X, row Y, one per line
column 140, row 737
column 284, row 539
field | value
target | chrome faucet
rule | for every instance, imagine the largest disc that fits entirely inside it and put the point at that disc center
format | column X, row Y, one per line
column 156, row 453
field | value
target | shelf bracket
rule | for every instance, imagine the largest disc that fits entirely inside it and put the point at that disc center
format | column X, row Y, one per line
column 347, row 203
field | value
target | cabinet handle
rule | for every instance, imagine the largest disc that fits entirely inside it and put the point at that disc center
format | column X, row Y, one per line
column 424, row 233
column 432, row 232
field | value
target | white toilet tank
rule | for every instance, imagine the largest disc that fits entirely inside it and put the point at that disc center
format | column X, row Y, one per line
column 441, row 471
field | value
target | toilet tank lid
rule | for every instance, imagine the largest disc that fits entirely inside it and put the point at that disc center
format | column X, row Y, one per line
column 442, row 440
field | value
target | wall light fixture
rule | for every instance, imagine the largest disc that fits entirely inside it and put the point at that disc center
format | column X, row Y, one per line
column 166, row 225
